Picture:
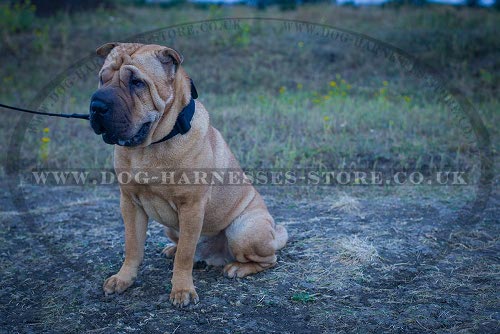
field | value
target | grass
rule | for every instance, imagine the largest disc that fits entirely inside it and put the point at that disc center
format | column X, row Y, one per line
column 281, row 98
column 347, row 204
column 303, row 297
column 353, row 250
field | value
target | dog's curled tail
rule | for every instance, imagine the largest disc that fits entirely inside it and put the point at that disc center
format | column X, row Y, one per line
column 281, row 236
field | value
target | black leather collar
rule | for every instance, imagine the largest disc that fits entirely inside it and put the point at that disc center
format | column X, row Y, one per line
column 183, row 123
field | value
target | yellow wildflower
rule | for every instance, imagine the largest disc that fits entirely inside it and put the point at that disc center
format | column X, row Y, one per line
column 282, row 89
column 333, row 84
column 45, row 139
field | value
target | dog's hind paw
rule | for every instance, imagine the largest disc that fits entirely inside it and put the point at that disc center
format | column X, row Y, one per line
column 238, row 269
column 169, row 251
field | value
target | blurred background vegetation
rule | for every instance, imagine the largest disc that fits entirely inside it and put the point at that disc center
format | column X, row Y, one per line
column 287, row 99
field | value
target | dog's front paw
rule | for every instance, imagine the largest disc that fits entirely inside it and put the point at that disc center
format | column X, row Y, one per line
column 182, row 297
column 116, row 284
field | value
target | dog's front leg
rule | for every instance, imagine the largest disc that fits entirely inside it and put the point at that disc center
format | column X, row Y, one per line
column 190, row 224
column 136, row 223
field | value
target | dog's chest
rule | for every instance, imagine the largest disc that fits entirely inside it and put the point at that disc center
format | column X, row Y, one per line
column 159, row 209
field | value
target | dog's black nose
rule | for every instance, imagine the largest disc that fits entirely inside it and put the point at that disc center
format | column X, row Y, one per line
column 98, row 107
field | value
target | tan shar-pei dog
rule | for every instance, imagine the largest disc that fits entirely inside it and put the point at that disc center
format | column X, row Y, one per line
column 145, row 107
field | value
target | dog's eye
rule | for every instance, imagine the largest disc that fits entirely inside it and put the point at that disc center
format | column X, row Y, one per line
column 136, row 82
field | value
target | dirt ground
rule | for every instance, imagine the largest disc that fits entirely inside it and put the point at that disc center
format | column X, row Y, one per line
column 376, row 262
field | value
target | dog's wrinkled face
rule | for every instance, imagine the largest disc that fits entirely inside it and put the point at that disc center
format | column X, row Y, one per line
column 135, row 85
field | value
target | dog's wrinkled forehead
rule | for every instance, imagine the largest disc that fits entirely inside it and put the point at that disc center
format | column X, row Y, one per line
column 144, row 61
column 147, row 59
column 121, row 54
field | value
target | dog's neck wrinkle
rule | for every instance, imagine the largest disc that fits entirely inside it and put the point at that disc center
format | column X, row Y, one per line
column 180, row 100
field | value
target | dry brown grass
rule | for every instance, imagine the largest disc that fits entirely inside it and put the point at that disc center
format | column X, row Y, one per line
column 355, row 251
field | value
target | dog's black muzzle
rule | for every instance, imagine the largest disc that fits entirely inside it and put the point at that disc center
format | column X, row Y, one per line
column 107, row 116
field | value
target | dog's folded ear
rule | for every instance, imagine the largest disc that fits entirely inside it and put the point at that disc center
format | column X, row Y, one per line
column 104, row 50
column 168, row 55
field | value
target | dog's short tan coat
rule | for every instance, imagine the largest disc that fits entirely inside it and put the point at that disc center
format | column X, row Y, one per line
column 223, row 225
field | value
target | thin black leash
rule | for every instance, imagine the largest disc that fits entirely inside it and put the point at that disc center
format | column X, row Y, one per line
column 79, row 116
column 194, row 95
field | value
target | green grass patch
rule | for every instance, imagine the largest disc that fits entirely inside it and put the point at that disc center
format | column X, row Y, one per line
column 303, row 297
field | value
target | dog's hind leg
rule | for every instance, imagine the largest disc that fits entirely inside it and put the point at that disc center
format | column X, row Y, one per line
column 253, row 240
